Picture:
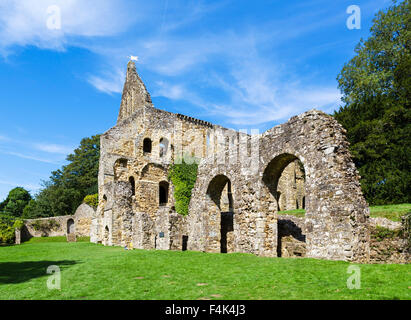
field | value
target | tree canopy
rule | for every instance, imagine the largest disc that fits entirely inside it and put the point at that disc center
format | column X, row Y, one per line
column 67, row 187
column 376, row 90
column 15, row 202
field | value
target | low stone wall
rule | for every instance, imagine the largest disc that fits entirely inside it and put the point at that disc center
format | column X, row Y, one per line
column 386, row 223
column 59, row 226
column 45, row 227
column 389, row 243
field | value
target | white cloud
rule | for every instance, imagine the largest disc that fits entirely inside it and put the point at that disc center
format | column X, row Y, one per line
column 25, row 22
column 53, row 148
column 108, row 83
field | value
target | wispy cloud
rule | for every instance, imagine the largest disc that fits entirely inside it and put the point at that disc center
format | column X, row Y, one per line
column 53, row 148
column 28, row 156
column 37, row 151
column 31, row 187
column 108, row 83
column 25, row 22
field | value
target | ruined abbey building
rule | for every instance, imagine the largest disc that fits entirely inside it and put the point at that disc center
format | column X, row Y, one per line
column 242, row 182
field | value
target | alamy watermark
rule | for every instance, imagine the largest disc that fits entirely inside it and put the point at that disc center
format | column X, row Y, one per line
column 53, row 18
column 54, row 281
column 354, row 280
column 354, row 20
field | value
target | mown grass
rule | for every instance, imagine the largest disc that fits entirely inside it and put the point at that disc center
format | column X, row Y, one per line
column 392, row 212
column 55, row 239
column 90, row 271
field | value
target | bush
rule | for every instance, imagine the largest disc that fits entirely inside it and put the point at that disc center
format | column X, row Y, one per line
column 7, row 229
column 381, row 233
column 183, row 177
column 46, row 225
column 91, row 200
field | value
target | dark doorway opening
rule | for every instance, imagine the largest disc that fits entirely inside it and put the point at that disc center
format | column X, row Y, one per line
column 70, row 226
column 163, row 193
column 133, row 186
column 227, row 226
column 147, row 145
column 185, row 242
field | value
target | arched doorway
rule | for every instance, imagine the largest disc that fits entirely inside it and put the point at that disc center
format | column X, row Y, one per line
column 284, row 178
column 163, row 193
column 70, row 226
column 222, row 206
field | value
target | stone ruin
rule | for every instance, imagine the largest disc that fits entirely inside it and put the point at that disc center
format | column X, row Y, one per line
column 243, row 181
column 71, row 226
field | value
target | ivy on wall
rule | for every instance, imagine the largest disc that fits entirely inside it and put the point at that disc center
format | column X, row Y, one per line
column 183, row 176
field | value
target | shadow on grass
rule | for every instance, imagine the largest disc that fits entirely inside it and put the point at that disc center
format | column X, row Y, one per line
column 17, row 272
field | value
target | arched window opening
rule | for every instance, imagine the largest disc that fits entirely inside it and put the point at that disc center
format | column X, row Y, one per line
column 163, row 193
column 147, row 145
column 133, row 185
column 163, row 147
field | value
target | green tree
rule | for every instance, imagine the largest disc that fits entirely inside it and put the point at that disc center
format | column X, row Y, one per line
column 67, row 187
column 15, row 203
column 376, row 91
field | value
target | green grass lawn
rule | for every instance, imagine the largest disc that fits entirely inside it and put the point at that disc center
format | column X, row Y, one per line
column 392, row 212
column 90, row 271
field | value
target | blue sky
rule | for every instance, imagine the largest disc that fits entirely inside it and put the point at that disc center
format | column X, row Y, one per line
column 240, row 64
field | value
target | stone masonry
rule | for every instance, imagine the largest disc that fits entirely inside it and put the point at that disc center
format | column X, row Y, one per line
column 243, row 181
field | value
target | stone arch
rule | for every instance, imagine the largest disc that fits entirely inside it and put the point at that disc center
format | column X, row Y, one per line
column 221, row 211
column 147, row 145
column 336, row 211
column 163, row 147
column 71, row 228
column 272, row 175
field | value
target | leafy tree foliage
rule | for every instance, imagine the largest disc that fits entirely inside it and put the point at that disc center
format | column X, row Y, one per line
column 376, row 87
column 68, row 186
column 15, row 203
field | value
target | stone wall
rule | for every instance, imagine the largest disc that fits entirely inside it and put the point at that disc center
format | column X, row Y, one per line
column 336, row 212
column 58, row 226
column 235, row 200
column 389, row 242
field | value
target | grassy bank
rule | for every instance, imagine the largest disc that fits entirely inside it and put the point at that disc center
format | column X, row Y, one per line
column 393, row 212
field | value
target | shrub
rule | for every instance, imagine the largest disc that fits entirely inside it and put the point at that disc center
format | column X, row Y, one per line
column 381, row 233
column 18, row 224
column 7, row 229
column 183, row 177
column 91, row 200
column 45, row 225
